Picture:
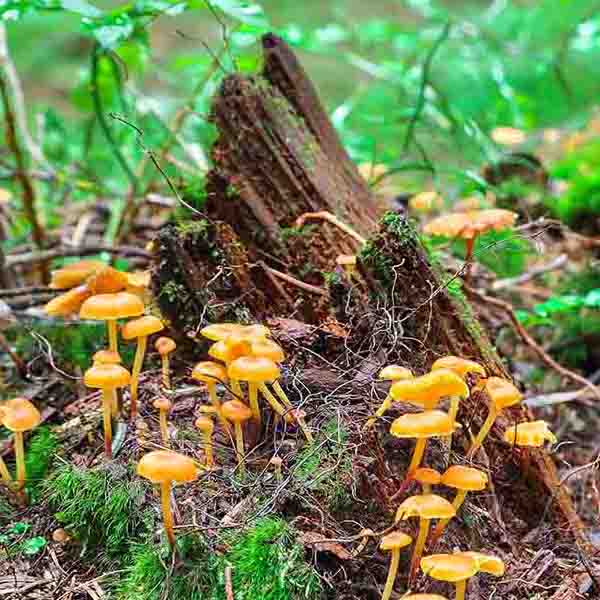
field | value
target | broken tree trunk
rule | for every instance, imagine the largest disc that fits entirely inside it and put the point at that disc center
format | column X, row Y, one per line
column 277, row 156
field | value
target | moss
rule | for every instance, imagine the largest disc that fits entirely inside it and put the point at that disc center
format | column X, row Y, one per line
column 194, row 229
column 331, row 278
column 40, row 453
column 289, row 233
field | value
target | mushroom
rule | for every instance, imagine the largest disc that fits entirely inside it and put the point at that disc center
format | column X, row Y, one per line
column 212, row 373
column 238, row 413
column 426, row 202
column 4, row 472
column 206, row 427
column 464, row 480
column 426, row 507
column 348, row 263
column 7, row 319
column 424, row 597
column 163, row 406
column 393, row 542
column 421, row 426
column 502, row 394
column 74, row 274
column 486, row 563
column 20, row 415
column 107, row 281
column 109, row 357
column 256, row 371
column 165, row 468
column 139, row 329
column 427, row 477
column 164, row 346
column 276, row 462
column 219, row 331
column 227, row 355
column 389, row 373
column 453, row 568
column 469, row 225
column 107, row 377
column 138, row 283
column 109, row 308
column 68, row 303
column 531, row 433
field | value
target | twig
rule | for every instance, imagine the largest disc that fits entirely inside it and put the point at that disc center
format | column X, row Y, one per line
column 228, row 584
column 327, row 216
column 528, row 339
column 34, row 257
column 16, row 359
column 313, row 289
column 557, row 263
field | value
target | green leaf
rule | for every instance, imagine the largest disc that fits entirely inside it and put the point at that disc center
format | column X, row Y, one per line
column 592, row 299
column 245, row 12
column 81, row 7
column 19, row 528
column 33, row 546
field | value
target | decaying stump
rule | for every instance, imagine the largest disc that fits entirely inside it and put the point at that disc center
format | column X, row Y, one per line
column 277, row 157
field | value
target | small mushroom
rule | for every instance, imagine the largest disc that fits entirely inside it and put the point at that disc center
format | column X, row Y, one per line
column 502, row 394
column 453, row 568
column 427, row 477
column 107, row 378
column 219, row 331
column 389, row 373
column 220, row 351
column 206, row 427
column 139, row 329
column 68, row 303
column 348, row 263
column 212, row 373
column 426, row 202
column 20, row 415
column 238, row 413
column 74, row 274
column 531, row 433
column 107, row 281
column 393, row 542
column 109, row 357
column 164, row 346
column 486, row 563
column 163, row 406
column 276, row 462
column 426, row 507
column 464, row 480
column 166, row 468
column 109, row 308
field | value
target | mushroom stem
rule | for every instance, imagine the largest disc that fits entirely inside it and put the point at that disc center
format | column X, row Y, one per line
column 470, row 243
column 138, row 361
column 164, row 426
column 253, row 396
column 452, row 413
column 239, row 446
column 114, row 402
column 385, row 406
column 112, row 335
column 417, row 456
column 457, row 503
column 485, row 429
column 4, row 472
column 20, row 461
column 214, row 400
column 391, row 578
column 166, row 379
column 286, row 401
column 208, row 450
column 165, row 498
column 275, row 404
column 107, row 416
column 418, row 550
column 461, row 590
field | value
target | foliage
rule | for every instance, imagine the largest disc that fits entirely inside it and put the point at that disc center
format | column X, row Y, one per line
column 40, row 453
column 99, row 507
column 503, row 252
column 15, row 541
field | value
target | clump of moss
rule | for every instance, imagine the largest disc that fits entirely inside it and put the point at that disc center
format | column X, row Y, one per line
column 99, row 507
column 194, row 229
column 38, row 459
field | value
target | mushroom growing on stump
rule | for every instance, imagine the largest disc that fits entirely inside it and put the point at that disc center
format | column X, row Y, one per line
column 220, row 351
column 164, row 346
column 206, row 427
column 109, row 357
column 107, row 378
column 238, row 413
column 393, row 542
column 163, row 406
column 464, row 480
column 217, row 332
column 109, row 308
column 139, row 329
column 427, row 477
column 469, row 225
column 529, row 435
column 426, row 507
column 166, row 468
column 389, row 373
column 502, row 394
column 211, row 373
column 453, row 568
column 20, row 415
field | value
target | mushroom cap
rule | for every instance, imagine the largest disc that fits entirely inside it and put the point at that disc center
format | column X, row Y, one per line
column 276, row 461
column 425, row 506
column 141, row 327
column 219, row 331
column 19, row 414
column 429, row 423
column 426, row 201
column 164, row 345
column 74, row 274
column 502, row 392
column 107, row 357
column 224, row 353
column 486, row 563
column 424, row 597
column 256, row 330
column 162, row 404
column 530, row 433
column 138, row 279
column 427, row 390
column 508, row 136
column 104, row 307
column 465, row 478
column 107, row 281
column 395, row 373
column 106, row 376
column 162, row 466
column 469, row 225
column 209, row 372
column 68, row 303
column 395, row 541
column 449, row 567
column 458, row 365
column 427, row 475
column 254, row 369
column 268, row 349
column 346, row 260
column 204, row 424
column 235, row 411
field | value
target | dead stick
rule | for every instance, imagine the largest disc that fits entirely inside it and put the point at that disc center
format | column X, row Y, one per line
column 228, row 584
column 17, row 360
column 313, row 289
column 32, row 257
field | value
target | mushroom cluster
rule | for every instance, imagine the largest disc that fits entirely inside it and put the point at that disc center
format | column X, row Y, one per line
column 450, row 377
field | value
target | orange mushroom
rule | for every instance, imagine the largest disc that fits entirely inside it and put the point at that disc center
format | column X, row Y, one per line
column 164, row 346
column 163, row 406
column 74, row 274
column 211, row 373
column 238, row 413
column 389, row 373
